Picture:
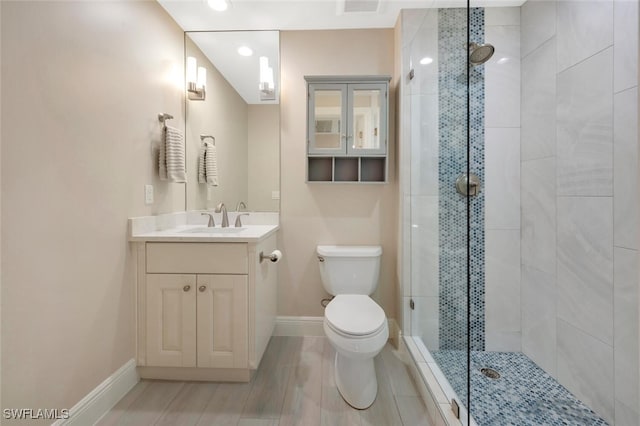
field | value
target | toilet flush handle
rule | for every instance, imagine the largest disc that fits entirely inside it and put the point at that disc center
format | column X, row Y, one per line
column 321, row 259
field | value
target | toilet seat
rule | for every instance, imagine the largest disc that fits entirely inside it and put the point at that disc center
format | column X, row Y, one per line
column 354, row 315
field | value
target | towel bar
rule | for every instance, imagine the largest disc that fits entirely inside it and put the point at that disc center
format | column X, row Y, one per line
column 203, row 137
column 162, row 117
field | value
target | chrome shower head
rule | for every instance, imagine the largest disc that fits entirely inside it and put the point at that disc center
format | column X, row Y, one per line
column 480, row 53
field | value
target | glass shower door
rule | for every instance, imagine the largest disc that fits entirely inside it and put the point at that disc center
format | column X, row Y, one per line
column 447, row 300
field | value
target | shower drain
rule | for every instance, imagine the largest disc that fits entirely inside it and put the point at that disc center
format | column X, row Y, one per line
column 490, row 373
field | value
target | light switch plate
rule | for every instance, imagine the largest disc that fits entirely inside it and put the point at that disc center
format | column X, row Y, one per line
column 148, row 194
column 275, row 195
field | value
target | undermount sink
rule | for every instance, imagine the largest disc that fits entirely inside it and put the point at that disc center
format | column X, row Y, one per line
column 213, row 230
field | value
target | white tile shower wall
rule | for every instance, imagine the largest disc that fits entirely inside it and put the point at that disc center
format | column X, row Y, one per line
column 502, row 297
column 585, row 367
column 579, row 199
column 502, row 181
column 626, row 326
column 538, row 24
column 538, row 107
column 584, row 28
column 625, row 47
column 424, row 145
column 538, row 214
column 502, row 178
column 585, row 265
column 585, row 127
column 424, row 246
column 502, row 76
column 625, row 174
column 539, row 319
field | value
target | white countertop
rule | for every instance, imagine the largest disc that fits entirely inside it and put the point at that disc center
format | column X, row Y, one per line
column 249, row 234
column 177, row 227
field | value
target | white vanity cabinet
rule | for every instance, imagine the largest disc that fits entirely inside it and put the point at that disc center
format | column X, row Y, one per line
column 197, row 320
column 206, row 310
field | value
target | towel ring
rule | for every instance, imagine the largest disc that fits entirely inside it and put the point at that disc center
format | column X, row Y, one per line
column 203, row 137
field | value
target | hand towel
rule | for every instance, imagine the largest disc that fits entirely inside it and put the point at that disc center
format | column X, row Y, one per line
column 162, row 158
column 211, row 165
column 202, row 177
column 175, row 156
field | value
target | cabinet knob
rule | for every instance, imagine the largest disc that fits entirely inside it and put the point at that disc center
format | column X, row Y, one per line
column 186, row 287
column 202, row 288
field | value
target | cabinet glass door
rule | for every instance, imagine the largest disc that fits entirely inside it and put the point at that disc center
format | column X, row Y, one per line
column 327, row 119
column 368, row 119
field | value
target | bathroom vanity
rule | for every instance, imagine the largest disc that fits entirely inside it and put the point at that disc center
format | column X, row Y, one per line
column 206, row 303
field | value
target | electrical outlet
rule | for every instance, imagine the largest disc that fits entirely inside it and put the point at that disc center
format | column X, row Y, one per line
column 275, row 195
column 148, row 194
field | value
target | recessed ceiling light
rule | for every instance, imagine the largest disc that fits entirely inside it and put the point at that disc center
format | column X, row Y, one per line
column 426, row 60
column 218, row 5
column 245, row 51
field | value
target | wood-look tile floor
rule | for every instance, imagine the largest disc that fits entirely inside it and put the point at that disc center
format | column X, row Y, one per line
column 294, row 385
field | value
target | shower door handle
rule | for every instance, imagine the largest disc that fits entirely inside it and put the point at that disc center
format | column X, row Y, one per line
column 468, row 187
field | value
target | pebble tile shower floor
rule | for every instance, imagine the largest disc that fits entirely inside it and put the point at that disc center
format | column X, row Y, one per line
column 524, row 395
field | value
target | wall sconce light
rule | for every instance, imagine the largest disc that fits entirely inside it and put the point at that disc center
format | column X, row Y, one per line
column 267, row 88
column 196, row 80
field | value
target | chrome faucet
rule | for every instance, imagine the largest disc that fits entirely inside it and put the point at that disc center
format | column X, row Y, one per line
column 225, row 219
column 241, row 205
column 211, row 223
column 238, row 221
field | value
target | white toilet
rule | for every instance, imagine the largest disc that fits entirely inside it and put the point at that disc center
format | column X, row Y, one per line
column 355, row 325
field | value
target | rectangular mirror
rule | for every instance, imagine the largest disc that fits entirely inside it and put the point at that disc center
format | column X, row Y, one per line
column 328, row 119
column 366, row 118
column 233, row 115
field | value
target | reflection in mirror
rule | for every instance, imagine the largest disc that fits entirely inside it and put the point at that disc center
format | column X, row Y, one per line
column 366, row 119
column 328, row 118
column 241, row 112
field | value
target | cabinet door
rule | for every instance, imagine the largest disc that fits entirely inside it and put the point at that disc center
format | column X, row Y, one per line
column 327, row 119
column 171, row 320
column 367, row 119
column 222, row 321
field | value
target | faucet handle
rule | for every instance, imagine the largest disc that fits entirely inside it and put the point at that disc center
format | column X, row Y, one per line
column 219, row 207
column 211, row 223
column 241, row 205
column 238, row 221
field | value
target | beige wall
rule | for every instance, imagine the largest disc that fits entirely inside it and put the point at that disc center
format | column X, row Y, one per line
column 264, row 157
column 313, row 214
column 223, row 114
column 82, row 84
column 0, row 209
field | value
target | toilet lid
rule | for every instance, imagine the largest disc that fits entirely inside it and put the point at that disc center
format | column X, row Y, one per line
column 354, row 314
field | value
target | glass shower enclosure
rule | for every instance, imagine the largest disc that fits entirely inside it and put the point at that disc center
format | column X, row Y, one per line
column 485, row 297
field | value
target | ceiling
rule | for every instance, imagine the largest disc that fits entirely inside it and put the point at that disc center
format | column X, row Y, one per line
column 194, row 15
column 243, row 15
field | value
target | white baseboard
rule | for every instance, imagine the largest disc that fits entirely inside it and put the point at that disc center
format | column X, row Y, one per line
column 394, row 331
column 299, row 326
column 312, row 326
column 101, row 399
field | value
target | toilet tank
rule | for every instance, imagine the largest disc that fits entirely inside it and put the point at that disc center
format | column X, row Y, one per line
column 349, row 269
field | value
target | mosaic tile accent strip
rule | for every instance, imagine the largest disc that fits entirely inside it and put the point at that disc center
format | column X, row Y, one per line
column 453, row 127
column 524, row 395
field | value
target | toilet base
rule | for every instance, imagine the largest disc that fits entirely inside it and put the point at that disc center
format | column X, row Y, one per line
column 356, row 381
